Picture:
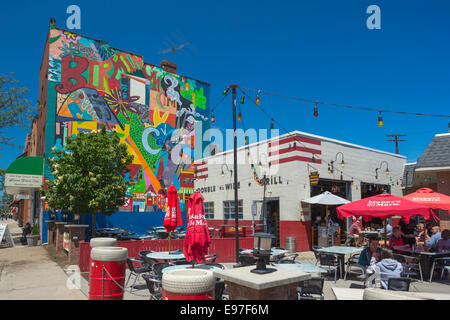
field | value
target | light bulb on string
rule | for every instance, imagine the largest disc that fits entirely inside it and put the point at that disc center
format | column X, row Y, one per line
column 342, row 177
column 313, row 159
column 271, row 124
column 212, row 117
column 380, row 120
column 225, row 92
column 239, row 115
column 342, row 164
column 246, row 139
column 316, row 112
column 257, row 101
column 242, row 99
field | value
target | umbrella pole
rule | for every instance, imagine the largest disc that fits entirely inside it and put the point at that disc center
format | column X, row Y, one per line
column 385, row 235
column 169, row 240
column 326, row 223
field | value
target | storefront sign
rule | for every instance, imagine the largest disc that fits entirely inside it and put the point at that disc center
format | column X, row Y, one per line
column 66, row 241
column 128, row 205
column 314, row 177
column 14, row 180
column 22, row 197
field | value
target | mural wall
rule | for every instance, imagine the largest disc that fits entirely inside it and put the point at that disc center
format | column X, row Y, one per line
column 155, row 112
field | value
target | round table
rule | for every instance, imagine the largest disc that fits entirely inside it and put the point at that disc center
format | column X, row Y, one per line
column 189, row 266
column 303, row 267
column 273, row 252
column 165, row 255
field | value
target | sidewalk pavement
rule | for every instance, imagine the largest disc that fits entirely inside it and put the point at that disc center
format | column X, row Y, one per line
column 28, row 273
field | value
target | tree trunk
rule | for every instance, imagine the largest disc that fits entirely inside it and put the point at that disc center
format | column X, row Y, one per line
column 93, row 225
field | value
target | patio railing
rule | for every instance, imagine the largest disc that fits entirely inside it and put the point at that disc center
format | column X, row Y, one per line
column 223, row 247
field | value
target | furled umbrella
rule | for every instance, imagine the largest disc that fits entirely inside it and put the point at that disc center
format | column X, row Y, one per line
column 172, row 218
column 383, row 206
column 326, row 199
column 197, row 239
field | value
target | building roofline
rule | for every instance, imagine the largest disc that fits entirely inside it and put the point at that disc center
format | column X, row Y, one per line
column 141, row 56
column 309, row 135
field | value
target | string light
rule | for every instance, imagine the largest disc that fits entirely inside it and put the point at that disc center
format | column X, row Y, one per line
column 212, row 117
column 316, row 112
column 239, row 115
column 225, row 92
column 380, row 120
column 257, row 101
column 246, row 139
column 242, row 99
column 271, row 124
column 342, row 177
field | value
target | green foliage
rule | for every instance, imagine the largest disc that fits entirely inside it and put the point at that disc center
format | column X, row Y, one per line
column 15, row 110
column 35, row 229
column 5, row 198
column 87, row 174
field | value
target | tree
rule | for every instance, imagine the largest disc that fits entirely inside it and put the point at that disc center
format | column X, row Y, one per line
column 15, row 109
column 5, row 199
column 89, row 174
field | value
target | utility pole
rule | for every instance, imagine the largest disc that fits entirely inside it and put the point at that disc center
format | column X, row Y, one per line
column 395, row 136
column 236, row 200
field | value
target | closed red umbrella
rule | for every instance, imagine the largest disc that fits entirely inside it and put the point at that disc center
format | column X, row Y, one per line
column 172, row 218
column 197, row 239
column 430, row 198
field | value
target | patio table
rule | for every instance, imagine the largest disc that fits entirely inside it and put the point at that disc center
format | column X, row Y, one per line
column 189, row 266
column 426, row 257
column 273, row 252
column 165, row 255
column 341, row 251
column 303, row 267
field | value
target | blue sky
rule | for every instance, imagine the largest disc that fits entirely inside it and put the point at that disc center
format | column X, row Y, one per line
column 320, row 50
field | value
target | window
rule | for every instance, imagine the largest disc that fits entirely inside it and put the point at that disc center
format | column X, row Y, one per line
column 209, row 210
column 228, row 210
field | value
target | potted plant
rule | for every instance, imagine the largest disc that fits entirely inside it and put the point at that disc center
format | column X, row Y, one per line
column 33, row 237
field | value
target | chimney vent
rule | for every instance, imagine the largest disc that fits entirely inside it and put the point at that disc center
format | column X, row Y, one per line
column 168, row 66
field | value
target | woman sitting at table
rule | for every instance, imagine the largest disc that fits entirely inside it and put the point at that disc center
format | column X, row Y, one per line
column 443, row 245
column 372, row 251
column 396, row 240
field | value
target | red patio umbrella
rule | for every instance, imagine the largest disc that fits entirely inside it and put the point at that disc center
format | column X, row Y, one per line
column 430, row 198
column 172, row 218
column 197, row 238
column 383, row 206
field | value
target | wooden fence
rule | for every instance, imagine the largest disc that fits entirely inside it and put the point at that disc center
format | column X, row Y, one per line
column 223, row 247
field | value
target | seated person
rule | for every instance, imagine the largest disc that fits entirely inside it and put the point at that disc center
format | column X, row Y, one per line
column 407, row 231
column 372, row 251
column 396, row 240
column 420, row 233
column 443, row 244
column 435, row 237
column 388, row 230
column 354, row 234
column 387, row 267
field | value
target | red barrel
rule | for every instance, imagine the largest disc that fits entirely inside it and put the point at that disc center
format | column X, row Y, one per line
column 107, row 273
column 101, row 242
column 188, row 284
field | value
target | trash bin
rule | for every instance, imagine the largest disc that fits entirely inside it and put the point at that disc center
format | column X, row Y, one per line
column 107, row 273
column 101, row 242
column 291, row 244
column 188, row 284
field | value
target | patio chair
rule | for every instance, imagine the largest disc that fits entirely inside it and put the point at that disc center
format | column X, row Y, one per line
column 157, row 269
column 316, row 253
column 410, row 264
column 288, row 259
column 246, row 260
column 399, row 284
column 154, row 286
column 308, row 288
column 210, row 258
column 353, row 261
column 439, row 263
column 330, row 261
column 136, row 272
column 145, row 259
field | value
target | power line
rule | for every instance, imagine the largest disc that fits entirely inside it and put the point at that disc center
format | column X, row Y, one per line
column 395, row 136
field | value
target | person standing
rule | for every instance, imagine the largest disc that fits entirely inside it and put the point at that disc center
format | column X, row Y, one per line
column 354, row 234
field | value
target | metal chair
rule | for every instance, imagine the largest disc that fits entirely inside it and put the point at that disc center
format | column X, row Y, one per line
column 154, row 286
column 288, row 259
column 137, row 272
column 353, row 261
column 329, row 260
column 440, row 263
column 211, row 257
column 316, row 253
column 399, row 284
column 158, row 267
column 246, row 260
column 409, row 265
column 308, row 288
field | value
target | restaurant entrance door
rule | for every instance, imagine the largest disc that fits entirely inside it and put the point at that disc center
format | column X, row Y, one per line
column 318, row 212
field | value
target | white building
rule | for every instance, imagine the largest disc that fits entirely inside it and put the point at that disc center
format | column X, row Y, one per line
column 288, row 162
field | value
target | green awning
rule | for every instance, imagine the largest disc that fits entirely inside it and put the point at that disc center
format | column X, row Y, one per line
column 24, row 175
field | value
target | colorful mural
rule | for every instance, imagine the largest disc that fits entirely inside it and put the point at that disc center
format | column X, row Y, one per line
column 155, row 112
